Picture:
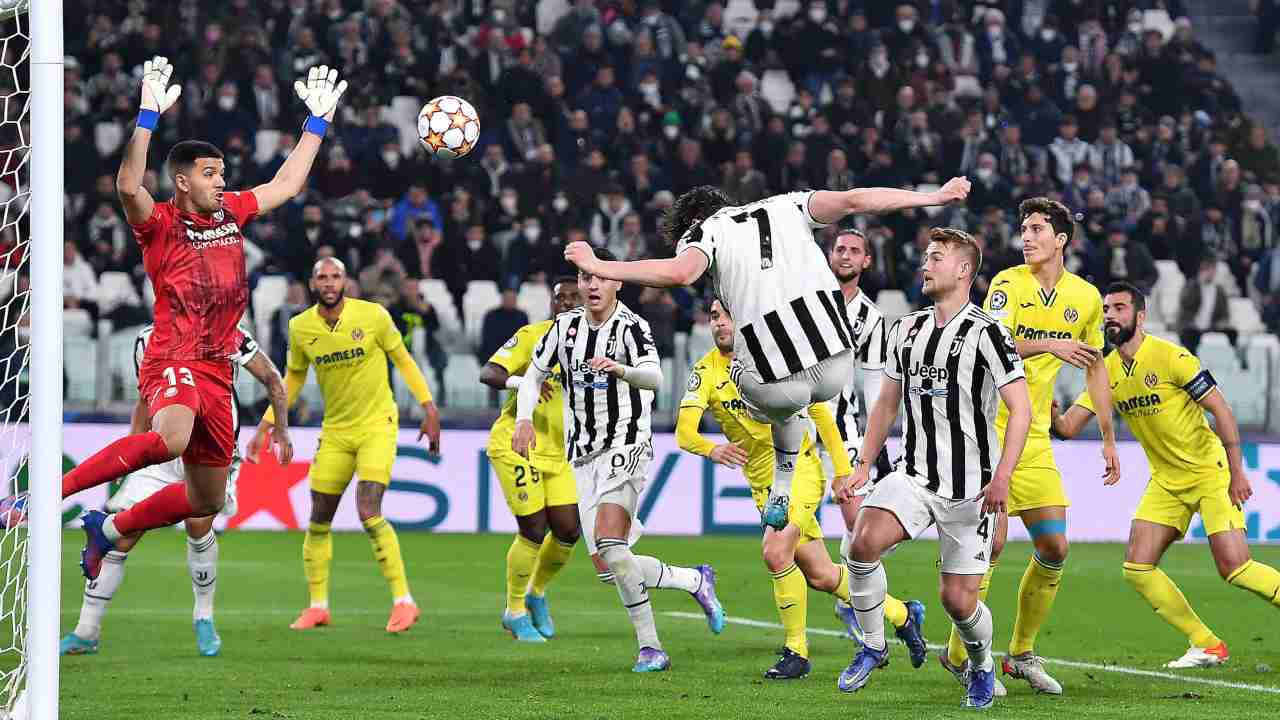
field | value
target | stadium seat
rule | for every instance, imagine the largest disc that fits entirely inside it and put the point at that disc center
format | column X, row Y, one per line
column 460, row 379
column 1169, row 283
column 776, row 88
column 740, row 17
column 266, row 142
column 120, row 354
column 893, row 303
column 701, row 342
column 1244, row 316
column 1068, row 386
column 481, row 297
column 535, row 299
column 116, row 289
column 107, row 138
column 1217, row 355
column 267, row 297
column 76, row 323
column 82, row 370
column 1227, row 280
column 671, row 384
column 403, row 114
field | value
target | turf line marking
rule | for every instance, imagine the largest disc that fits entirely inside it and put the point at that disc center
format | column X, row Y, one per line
column 1120, row 669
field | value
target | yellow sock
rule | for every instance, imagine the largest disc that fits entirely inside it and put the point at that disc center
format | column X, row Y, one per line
column 521, row 558
column 317, row 552
column 842, row 587
column 386, row 549
column 895, row 611
column 553, row 556
column 1169, row 603
column 1261, row 580
column 791, row 592
column 956, row 653
column 1036, row 593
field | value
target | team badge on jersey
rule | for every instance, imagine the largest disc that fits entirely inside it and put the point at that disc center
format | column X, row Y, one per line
column 510, row 343
column 1070, row 314
column 695, row 381
column 1151, row 380
column 999, row 300
column 218, row 216
column 957, row 345
column 357, row 335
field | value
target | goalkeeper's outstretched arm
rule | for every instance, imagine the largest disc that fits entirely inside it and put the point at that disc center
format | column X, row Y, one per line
column 320, row 91
column 157, row 96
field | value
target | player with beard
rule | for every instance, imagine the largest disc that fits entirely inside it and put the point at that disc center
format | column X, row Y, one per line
column 349, row 341
column 1162, row 394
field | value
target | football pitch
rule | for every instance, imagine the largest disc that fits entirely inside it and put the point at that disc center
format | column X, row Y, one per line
column 458, row 663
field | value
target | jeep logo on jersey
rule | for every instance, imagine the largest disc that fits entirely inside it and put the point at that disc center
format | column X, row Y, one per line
column 1070, row 314
column 999, row 300
column 929, row 372
column 1150, row 380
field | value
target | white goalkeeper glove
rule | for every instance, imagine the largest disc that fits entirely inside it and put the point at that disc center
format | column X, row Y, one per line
column 157, row 94
column 321, row 91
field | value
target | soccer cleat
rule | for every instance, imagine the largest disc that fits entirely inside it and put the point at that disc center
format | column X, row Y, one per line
column 775, row 512
column 912, row 633
column 522, row 628
column 961, row 674
column 982, row 689
column 537, row 605
column 1201, row 657
column 706, row 597
column 73, row 644
column 859, row 671
column 96, row 544
column 207, row 641
column 403, row 616
column 1031, row 668
column 791, row 665
column 312, row 617
column 651, row 660
column 846, row 615
column 13, row 512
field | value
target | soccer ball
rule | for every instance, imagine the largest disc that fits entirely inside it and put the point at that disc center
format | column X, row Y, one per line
column 448, row 127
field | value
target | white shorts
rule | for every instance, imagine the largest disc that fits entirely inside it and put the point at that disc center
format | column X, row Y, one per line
column 614, row 476
column 144, row 483
column 778, row 401
column 965, row 533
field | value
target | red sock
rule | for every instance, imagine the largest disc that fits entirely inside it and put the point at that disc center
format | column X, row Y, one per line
column 116, row 460
column 161, row 509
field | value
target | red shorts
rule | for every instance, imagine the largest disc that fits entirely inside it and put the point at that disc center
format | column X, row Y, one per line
column 205, row 387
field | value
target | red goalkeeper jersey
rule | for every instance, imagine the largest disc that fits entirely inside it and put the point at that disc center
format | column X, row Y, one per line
column 196, row 266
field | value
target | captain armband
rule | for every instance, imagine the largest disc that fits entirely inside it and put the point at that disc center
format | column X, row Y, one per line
column 1200, row 385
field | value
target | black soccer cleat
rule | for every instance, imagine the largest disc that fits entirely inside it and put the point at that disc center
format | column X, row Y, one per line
column 790, row 666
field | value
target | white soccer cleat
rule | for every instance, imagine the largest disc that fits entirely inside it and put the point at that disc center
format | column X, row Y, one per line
column 1201, row 657
column 1031, row 668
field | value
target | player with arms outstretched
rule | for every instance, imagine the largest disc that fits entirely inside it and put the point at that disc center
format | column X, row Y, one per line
column 193, row 251
column 1162, row 393
column 540, row 490
column 792, row 347
column 349, row 341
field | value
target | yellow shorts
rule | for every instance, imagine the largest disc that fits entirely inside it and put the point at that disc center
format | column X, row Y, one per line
column 1036, row 482
column 530, row 488
column 368, row 454
column 807, row 490
column 1174, row 508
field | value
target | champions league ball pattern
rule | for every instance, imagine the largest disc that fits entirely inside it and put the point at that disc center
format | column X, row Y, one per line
column 448, row 127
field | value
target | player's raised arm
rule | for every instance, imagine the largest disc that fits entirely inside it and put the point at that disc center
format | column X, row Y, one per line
column 321, row 91
column 681, row 270
column 829, row 206
column 157, row 96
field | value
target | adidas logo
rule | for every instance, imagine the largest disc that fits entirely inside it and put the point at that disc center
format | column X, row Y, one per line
column 980, row 556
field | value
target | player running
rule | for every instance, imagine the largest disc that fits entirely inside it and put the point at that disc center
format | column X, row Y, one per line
column 793, row 346
column 949, row 362
column 795, row 554
column 193, row 250
column 540, row 491
column 349, row 341
column 609, row 369
column 1162, row 393
column 202, row 543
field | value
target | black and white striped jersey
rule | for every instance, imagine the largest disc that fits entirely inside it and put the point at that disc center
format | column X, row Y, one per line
column 601, row 412
column 245, row 351
column 950, row 378
column 869, row 349
column 774, row 279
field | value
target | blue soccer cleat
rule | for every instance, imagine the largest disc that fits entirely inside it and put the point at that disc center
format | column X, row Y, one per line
column 521, row 628
column 73, row 644
column 847, row 617
column 859, row 671
column 651, row 660
column 706, row 597
column 912, row 633
column 208, row 644
column 982, row 689
column 541, row 613
column 96, row 544
column 775, row 512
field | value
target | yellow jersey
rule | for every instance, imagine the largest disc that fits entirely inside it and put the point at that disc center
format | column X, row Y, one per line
column 350, row 359
column 1071, row 310
column 1159, row 395
column 548, row 417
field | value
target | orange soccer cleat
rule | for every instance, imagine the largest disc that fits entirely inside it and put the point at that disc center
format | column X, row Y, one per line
column 403, row 616
column 310, row 618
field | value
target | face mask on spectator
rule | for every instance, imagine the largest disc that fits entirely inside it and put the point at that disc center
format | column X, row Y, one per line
column 906, row 26
column 1135, row 27
column 671, row 131
column 474, row 245
column 1253, row 205
column 994, row 31
column 922, row 59
column 818, row 15
column 649, row 91
column 560, row 203
column 766, row 27
column 984, row 174
column 531, row 232
column 391, row 157
column 508, row 205
column 1048, row 34
column 227, row 103
column 1070, row 66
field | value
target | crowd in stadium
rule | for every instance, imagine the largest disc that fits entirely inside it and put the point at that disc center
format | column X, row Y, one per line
column 592, row 128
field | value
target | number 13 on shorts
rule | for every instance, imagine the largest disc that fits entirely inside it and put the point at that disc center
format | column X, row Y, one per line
column 175, row 375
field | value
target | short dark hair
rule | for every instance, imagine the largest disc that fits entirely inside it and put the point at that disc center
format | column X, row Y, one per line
column 605, row 254
column 962, row 240
column 691, row 208
column 1138, row 298
column 1058, row 215
column 559, row 279
column 185, row 154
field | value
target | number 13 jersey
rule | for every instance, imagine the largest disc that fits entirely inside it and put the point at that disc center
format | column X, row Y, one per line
column 773, row 278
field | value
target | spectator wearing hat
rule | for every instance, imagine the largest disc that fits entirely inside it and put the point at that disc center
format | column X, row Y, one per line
column 724, row 73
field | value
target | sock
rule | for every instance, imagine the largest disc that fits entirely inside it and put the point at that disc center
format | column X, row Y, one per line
column 841, row 590
column 791, row 593
column 895, row 611
column 658, row 574
column 552, row 558
column 846, row 542
column 605, row 577
column 317, row 552
column 976, row 632
column 868, row 586
column 521, row 557
column 386, row 550
column 787, row 441
column 202, row 561
column 632, row 589
column 98, row 594
column 1036, row 592
column 956, row 652
column 1259, row 579
column 164, row 507
column 1169, row 603
column 116, row 460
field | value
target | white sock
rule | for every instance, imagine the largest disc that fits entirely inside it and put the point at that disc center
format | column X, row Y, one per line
column 406, row 598
column 846, row 542
column 787, row 441
column 867, row 587
column 658, row 574
column 98, row 594
column 605, row 577
column 632, row 589
column 109, row 529
column 976, row 632
column 202, row 562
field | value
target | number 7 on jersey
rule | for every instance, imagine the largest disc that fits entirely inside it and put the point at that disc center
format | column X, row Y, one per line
column 761, row 216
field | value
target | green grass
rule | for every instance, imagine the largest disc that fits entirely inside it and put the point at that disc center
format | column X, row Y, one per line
column 457, row 663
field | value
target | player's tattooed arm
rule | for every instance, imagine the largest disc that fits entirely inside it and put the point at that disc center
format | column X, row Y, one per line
column 265, row 372
column 829, row 206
